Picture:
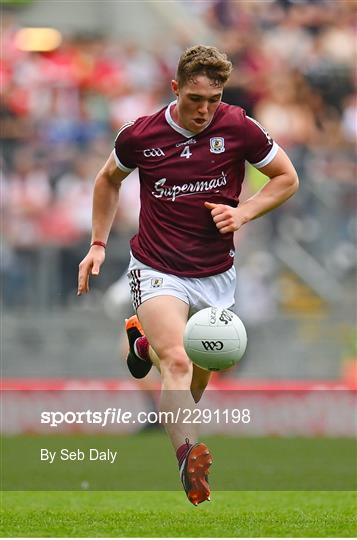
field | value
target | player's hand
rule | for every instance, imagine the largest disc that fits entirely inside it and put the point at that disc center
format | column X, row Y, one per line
column 90, row 266
column 225, row 217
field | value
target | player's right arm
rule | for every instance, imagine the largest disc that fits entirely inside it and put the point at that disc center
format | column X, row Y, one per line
column 105, row 202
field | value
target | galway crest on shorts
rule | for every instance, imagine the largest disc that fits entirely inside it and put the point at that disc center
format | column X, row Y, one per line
column 156, row 282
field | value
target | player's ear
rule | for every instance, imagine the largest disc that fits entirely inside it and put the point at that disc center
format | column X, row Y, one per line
column 175, row 87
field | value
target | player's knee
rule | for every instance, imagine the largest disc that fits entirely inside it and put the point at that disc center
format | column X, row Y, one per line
column 176, row 362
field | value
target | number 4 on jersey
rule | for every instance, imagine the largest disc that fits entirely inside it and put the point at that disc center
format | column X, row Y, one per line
column 186, row 152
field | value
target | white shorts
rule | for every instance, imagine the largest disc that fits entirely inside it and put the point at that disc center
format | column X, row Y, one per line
column 198, row 293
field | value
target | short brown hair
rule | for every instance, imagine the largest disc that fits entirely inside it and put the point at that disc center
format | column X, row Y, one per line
column 203, row 60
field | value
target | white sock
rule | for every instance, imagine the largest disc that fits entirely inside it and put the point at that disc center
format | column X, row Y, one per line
column 136, row 350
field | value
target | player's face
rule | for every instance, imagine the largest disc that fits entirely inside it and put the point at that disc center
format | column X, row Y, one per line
column 197, row 102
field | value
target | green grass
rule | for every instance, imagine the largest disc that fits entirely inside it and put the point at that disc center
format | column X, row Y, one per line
column 317, row 467
column 167, row 514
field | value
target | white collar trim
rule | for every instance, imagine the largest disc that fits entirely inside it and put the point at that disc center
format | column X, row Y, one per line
column 176, row 127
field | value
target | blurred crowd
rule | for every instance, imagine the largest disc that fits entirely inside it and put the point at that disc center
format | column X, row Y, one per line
column 294, row 72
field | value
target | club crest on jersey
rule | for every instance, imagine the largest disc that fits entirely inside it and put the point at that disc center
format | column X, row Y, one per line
column 156, row 282
column 217, row 145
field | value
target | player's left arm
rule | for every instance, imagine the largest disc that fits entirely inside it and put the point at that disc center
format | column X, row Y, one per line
column 283, row 183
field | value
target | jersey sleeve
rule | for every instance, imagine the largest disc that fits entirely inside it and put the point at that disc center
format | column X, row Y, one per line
column 124, row 148
column 260, row 147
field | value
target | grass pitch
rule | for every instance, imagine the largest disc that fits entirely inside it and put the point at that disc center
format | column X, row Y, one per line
column 168, row 514
column 251, row 464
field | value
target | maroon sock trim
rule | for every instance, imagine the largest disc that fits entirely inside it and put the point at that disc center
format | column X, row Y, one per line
column 181, row 452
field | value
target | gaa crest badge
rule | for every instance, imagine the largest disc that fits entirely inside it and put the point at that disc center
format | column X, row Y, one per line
column 217, row 145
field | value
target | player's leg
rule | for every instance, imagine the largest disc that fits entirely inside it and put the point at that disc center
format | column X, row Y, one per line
column 142, row 356
column 200, row 379
column 164, row 319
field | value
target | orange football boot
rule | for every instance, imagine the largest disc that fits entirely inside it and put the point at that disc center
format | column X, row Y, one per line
column 194, row 473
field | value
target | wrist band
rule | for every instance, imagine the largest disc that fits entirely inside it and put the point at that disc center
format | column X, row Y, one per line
column 98, row 243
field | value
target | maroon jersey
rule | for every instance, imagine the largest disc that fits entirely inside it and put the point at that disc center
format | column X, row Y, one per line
column 179, row 171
